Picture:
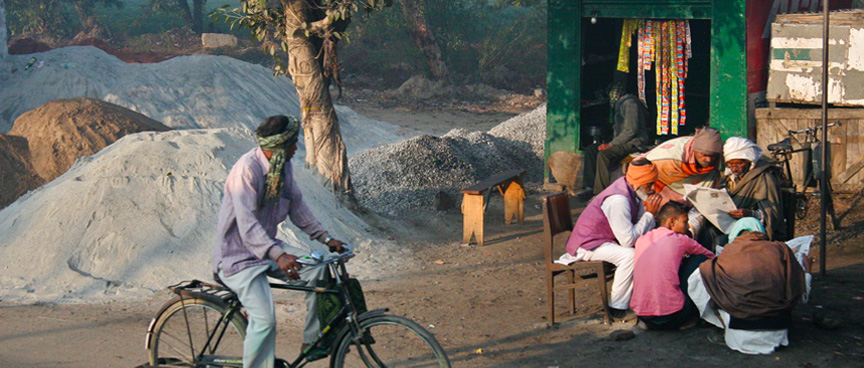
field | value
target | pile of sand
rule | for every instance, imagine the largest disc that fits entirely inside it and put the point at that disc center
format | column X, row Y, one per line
column 17, row 175
column 196, row 91
column 409, row 175
column 141, row 214
column 61, row 131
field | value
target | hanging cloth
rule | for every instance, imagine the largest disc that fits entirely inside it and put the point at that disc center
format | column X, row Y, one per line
column 628, row 28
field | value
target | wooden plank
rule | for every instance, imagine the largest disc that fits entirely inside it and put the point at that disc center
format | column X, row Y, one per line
column 837, row 138
column 472, row 218
column 514, row 199
column 843, row 177
column 847, row 140
column 493, row 181
column 813, row 113
column 855, row 149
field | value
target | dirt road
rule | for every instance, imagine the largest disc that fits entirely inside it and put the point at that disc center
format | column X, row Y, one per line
column 484, row 304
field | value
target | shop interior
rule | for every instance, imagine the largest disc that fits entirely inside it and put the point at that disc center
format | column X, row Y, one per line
column 601, row 38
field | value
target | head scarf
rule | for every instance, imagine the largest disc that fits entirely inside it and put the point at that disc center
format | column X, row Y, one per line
column 707, row 140
column 746, row 223
column 737, row 148
column 278, row 144
column 615, row 91
column 638, row 176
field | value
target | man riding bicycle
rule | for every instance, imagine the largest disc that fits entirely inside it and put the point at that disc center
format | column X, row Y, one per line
column 260, row 193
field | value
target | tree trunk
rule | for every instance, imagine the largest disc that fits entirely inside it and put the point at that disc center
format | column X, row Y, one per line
column 422, row 35
column 3, row 48
column 198, row 15
column 188, row 18
column 325, row 149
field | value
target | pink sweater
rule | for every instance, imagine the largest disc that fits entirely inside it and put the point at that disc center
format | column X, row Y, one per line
column 656, row 290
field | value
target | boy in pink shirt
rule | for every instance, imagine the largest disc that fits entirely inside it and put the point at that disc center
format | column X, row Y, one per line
column 660, row 272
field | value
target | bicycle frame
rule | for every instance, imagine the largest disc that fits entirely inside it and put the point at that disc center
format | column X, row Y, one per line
column 348, row 313
column 812, row 161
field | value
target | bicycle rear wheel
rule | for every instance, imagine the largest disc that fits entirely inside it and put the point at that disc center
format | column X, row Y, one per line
column 395, row 342
column 181, row 330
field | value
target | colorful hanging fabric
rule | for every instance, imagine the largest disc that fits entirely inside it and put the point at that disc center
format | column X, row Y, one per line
column 629, row 27
column 668, row 46
column 683, row 49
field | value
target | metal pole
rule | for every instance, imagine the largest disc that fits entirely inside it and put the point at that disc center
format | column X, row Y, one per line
column 823, row 169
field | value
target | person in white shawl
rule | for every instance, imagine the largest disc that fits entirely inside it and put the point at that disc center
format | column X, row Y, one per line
column 750, row 180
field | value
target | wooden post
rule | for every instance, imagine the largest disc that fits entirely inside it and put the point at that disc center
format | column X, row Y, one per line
column 514, row 197
column 472, row 218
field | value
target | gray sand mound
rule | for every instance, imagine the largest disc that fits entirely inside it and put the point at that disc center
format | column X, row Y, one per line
column 408, row 175
column 17, row 175
column 141, row 215
column 195, row 91
column 61, row 131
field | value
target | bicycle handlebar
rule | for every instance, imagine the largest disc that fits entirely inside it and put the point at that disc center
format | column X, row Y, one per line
column 316, row 257
column 810, row 129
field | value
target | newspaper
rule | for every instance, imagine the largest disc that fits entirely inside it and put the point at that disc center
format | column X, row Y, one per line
column 801, row 247
column 714, row 204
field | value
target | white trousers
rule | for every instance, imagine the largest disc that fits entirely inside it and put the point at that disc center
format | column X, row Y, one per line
column 622, row 258
column 745, row 341
column 253, row 290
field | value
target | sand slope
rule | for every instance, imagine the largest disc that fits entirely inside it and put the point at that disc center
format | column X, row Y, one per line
column 196, row 91
column 140, row 215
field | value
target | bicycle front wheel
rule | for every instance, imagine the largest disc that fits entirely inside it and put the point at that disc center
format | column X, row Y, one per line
column 389, row 341
column 181, row 333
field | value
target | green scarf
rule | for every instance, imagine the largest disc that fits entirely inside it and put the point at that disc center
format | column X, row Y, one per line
column 278, row 144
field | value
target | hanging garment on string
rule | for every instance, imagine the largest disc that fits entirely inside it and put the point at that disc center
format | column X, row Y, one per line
column 668, row 46
column 629, row 27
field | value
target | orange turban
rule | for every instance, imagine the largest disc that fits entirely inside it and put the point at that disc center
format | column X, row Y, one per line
column 640, row 175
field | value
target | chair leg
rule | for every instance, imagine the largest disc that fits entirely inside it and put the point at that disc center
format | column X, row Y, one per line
column 571, row 278
column 604, row 294
column 550, row 300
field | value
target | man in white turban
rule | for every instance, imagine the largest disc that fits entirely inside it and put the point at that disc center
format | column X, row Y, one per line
column 753, row 186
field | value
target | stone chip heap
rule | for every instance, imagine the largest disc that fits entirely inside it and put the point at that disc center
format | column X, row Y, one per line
column 406, row 176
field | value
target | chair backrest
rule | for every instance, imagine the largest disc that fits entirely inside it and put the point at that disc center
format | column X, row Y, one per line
column 556, row 220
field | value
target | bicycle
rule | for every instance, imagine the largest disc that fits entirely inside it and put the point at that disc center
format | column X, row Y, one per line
column 204, row 326
column 811, row 149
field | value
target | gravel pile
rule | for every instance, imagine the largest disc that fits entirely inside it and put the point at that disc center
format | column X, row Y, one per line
column 409, row 175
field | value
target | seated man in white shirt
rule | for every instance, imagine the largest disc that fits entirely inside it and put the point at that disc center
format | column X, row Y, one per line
column 608, row 228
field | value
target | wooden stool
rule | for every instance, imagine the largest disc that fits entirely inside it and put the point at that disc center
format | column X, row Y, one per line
column 474, row 201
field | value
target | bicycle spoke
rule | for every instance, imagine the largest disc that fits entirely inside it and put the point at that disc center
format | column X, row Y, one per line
column 390, row 341
column 197, row 326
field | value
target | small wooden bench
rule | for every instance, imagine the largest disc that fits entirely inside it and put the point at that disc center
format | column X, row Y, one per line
column 474, row 201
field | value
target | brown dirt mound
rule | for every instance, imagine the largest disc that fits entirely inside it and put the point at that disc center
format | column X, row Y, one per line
column 61, row 131
column 17, row 175
column 122, row 54
column 27, row 46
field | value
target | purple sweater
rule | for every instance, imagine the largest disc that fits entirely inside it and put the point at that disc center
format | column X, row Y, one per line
column 592, row 227
column 247, row 234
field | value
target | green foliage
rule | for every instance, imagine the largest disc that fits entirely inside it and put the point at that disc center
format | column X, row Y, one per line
column 51, row 17
column 263, row 20
column 380, row 48
column 39, row 16
column 501, row 43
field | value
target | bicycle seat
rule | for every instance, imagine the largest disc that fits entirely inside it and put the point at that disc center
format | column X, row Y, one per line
column 783, row 145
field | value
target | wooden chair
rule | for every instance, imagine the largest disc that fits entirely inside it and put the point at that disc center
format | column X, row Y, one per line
column 557, row 220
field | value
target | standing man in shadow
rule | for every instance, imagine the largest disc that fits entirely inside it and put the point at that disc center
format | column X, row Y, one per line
column 628, row 117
